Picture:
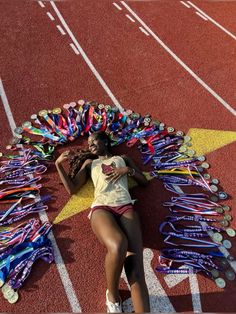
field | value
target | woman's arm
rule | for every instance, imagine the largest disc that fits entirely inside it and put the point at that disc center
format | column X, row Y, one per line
column 134, row 171
column 130, row 169
column 72, row 186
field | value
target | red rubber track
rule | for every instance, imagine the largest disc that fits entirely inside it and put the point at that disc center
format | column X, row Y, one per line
column 39, row 70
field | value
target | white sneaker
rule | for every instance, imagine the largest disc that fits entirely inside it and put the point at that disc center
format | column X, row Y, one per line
column 113, row 307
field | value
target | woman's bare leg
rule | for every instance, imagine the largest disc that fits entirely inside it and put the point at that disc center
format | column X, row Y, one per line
column 112, row 237
column 134, row 262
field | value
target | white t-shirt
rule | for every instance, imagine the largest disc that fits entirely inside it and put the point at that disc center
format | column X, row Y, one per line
column 107, row 192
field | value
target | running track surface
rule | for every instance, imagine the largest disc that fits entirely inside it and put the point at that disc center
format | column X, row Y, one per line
column 41, row 70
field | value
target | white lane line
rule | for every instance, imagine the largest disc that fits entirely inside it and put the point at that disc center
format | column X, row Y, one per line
column 159, row 300
column 213, row 21
column 202, row 16
column 143, row 30
column 129, row 17
column 61, row 30
column 187, row 6
column 173, row 280
column 117, row 6
column 41, row 4
column 86, row 59
column 70, row 292
column 74, row 49
column 50, row 16
column 197, row 78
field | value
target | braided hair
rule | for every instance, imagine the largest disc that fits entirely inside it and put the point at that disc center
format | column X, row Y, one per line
column 77, row 159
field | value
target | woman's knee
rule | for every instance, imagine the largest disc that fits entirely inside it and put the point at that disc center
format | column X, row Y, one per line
column 134, row 269
column 118, row 246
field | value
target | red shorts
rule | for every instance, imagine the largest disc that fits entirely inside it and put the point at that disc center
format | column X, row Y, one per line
column 117, row 211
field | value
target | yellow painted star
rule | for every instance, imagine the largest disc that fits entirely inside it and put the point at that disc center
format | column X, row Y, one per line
column 203, row 142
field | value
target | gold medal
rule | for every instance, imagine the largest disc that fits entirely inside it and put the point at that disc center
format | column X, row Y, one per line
column 14, row 298
column 56, row 110
column 43, row 113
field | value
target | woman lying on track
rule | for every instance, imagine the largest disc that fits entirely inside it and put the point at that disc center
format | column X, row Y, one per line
column 113, row 218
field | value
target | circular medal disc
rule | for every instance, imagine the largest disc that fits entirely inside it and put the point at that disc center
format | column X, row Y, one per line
column 191, row 152
column 72, row 104
column 205, row 165
column 107, row 107
column 26, row 124
column 161, row 128
column 146, row 123
column 188, row 144
column 222, row 195
column 201, row 158
column 230, row 232
column 179, row 133
column 33, row 117
column 162, row 124
column 5, row 288
column 215, row 273
column 101, row 106
column 206, row 176
column 226, row 208
column 18, row 130
column 215, row 181
column 187, row 138
column 147, row 119
column 230, row 275
column 227, row 244
column 66, row 106
column 56, row 110
column 8, row 294
column 228, row 217
column 128, row 112
column 220, row 282
column 43, row 113
column 219, row 210
column 214, row 188
column 217, row 237
column 230, row 258
column 14, row 298
column 170, row 129
column 214, row 198
column 182, row 149
column 224, row 223
column 1, row 283
column 81, row 102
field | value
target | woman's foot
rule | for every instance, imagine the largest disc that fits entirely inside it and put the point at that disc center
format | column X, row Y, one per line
column 113, row 307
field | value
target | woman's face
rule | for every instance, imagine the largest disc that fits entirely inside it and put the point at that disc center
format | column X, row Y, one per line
column 96, row 145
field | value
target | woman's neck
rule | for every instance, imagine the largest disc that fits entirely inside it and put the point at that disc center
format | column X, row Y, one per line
column 105, row 156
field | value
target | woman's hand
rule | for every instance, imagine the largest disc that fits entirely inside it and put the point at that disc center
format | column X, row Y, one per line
column 116, row 173
column 63, row 157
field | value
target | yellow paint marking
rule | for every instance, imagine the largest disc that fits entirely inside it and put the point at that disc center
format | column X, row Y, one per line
column 205, row 141
column 83, row 200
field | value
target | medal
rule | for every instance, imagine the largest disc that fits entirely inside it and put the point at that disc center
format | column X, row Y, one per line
column 217, row 237
column 14, row 298
column 215, row 273
column 227, row 244
column 220, row 283
column 226, row 208
column 230, row 275
column 230, row 232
